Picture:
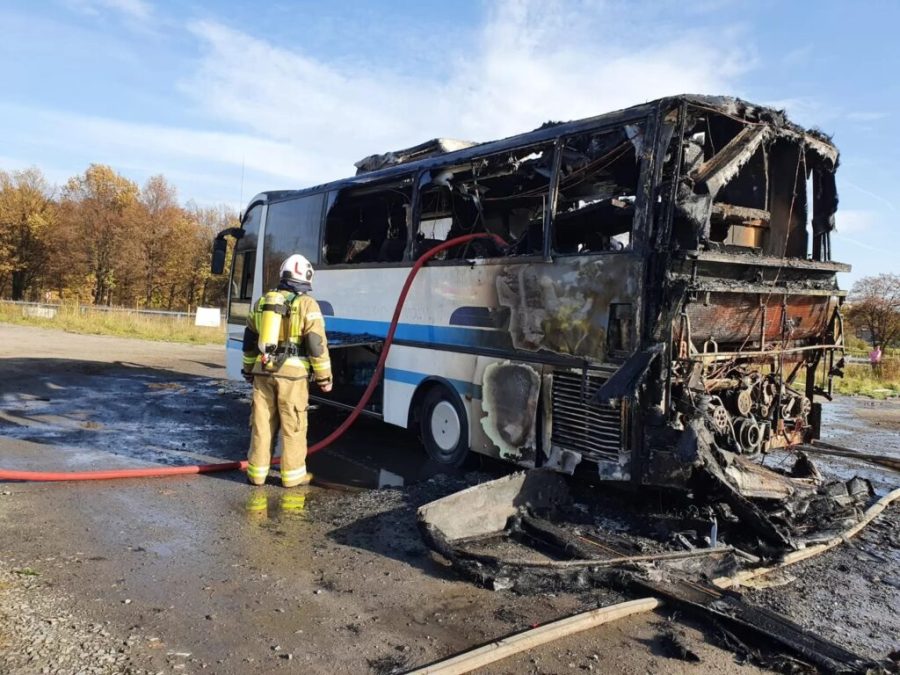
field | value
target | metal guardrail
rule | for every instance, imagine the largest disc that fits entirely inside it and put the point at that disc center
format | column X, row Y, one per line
column 84, row 309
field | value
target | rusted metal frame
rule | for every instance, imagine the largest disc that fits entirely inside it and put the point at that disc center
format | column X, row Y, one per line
column 837, row 323
column 812, row 367
column 711, row 286
column 552, row 199
column 767, row 261
column 793, row 374
column 777, row 419
column 769, row 352
column 654, row 246
column 762, row 328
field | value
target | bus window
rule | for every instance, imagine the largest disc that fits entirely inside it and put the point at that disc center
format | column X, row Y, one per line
column 503, row 194
column 368, row 225
column 292, row 226
column 243, row 267
column 597, row 189
column 741, row 189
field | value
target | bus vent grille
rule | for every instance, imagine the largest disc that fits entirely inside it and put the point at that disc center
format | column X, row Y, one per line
column 593, row 430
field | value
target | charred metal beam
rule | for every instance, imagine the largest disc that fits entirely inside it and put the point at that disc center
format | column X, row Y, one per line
column 722, row 167
column 709, row 602
column 628, row 378
column 767, row 261
column 730, row 214
column 552, row 199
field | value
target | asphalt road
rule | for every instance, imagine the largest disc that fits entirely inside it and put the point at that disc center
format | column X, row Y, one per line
column 205, row 573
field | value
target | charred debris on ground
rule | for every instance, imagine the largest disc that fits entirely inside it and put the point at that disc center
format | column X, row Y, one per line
column 538, row 531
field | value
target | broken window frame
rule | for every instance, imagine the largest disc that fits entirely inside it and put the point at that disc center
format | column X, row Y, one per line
column 393, row 184
column 425, row 182
column 643, row 189
column 701, row 185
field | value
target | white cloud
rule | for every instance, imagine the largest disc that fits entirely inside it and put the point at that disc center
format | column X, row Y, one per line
column 532, row 62
column 294, row 119
column 138, row 10
column 854, row 221
column 133, row 142
column 867, row 116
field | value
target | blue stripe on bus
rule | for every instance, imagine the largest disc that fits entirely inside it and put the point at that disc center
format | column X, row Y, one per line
column 410, row 377
column 413, row 332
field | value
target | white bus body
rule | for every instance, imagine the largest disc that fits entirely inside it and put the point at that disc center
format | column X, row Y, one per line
column 635, row 298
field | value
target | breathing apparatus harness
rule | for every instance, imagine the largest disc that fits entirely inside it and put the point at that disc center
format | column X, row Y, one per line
column 276, row 308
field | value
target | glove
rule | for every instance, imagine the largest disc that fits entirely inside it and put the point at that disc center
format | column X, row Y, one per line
column 248, row 376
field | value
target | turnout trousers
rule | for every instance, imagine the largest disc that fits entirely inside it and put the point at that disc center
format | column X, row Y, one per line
column 278, row 402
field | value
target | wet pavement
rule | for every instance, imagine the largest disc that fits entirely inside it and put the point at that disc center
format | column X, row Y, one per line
column 206, row 573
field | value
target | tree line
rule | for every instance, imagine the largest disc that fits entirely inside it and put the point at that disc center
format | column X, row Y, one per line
column 875, row 308
column 102, row 239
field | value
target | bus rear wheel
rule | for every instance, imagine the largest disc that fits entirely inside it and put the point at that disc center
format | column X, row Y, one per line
column 444, row 427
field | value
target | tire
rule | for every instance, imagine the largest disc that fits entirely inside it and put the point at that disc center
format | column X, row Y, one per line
column 444, row 427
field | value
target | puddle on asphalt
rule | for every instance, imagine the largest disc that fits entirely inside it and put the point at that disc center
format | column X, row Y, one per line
column 265, row 504
column 335, row 470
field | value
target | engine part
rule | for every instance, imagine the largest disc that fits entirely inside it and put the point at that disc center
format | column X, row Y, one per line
column 720, row 418
column 750, row 435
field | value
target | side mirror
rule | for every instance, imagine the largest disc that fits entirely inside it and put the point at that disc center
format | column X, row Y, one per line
column 220, row 248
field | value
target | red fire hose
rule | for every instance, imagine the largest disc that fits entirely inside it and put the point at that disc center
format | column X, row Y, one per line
column 159, row 472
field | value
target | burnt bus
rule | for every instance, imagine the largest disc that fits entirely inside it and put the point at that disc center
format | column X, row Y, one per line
column 666, row 291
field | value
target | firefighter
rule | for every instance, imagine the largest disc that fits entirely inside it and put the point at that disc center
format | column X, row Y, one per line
column 284, row 346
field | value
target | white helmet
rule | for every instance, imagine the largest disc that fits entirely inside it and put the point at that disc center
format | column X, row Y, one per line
column 297, row 268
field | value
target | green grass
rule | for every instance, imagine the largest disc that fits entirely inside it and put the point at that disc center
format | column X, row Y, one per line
column 859, row 380
column 84, row 319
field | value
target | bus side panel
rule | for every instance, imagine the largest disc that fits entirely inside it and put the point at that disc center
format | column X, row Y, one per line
column 452, row 306
column 582, row 306
column 408, row 367
column 458, row 320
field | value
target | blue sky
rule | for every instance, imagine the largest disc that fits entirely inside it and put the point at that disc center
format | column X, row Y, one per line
column 292, row 93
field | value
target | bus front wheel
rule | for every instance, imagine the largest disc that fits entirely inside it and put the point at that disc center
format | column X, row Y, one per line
column 444, row 427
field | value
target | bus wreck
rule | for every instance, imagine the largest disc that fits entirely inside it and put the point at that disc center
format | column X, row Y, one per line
column 719, row 336
column 665, row 309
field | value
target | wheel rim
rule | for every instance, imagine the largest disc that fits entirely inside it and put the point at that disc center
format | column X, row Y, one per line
column 445, row 426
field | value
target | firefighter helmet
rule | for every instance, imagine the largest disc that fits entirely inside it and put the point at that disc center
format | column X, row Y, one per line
column 297, row 268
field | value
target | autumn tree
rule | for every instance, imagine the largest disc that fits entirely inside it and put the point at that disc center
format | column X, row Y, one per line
column 100, row 206
column 205, row 288
column 875, row 306
column 27, row 213
column 160, row 246
column 106, row 241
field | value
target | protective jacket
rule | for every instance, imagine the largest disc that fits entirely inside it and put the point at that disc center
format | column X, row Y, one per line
column 302, row 346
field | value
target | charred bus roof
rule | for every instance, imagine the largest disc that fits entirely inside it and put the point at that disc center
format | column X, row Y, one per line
column 442, row 152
